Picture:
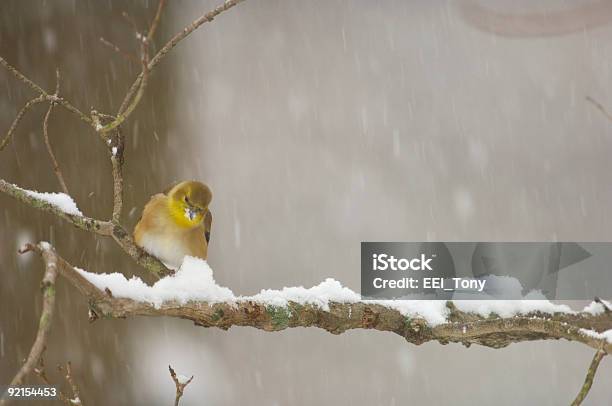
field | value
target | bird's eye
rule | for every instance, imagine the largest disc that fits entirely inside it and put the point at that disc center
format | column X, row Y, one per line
column 186, row 199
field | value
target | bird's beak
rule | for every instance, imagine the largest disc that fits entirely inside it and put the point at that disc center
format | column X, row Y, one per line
column 190, row 213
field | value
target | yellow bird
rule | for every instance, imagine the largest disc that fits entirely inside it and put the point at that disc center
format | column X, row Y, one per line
column 176, row 223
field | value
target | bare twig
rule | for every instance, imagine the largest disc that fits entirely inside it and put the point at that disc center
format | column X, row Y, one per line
column 42, row 375
column 75, row 398
column 56, row 168
column 48, row 310
column 599, row 107
column 588, row 381
column 118, row 50
column 128, row 18
column 180, row 385
column 17, row 119
column 121, row 117
column 49, row 97
column 178, row 37
column 156, row 19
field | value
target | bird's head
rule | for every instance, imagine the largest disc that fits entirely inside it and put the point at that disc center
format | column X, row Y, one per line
column 189, row 202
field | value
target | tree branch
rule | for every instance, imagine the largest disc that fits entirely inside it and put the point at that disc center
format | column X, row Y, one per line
column 178, row 37
column 180, row 384
column 48, row 310
column 588, row 381
column 104, row 228
column 84, row 223
column 46, row 96
column 42, row 375
column 56, row 168
column 75, row 399
column 17, row 119
column 460, row 327
column 118, row 50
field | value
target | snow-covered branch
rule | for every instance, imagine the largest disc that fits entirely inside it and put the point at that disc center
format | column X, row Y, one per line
column 63, row 206
column 192, row 294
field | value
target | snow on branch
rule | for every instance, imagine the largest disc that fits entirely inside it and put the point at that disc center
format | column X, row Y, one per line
column 193, row 294
column 62, row 206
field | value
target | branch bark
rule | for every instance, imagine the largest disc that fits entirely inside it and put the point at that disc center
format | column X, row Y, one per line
column 56, row 168
column 461, row 327
column 43, row 94
column 48, row 310
column 100, row 227
column 17, row 119
column 588, row 381
column 180, row 385
column 178, row 37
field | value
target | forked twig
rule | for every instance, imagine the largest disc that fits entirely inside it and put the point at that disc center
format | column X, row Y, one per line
column 42, row 375
column 75, row 398
column 180, row 384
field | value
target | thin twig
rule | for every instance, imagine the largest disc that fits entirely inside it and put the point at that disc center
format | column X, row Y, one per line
column 59, row 100
column 76, row 398
column 118, row 50
column 130, row 21
column 42, row 375
column 180, row 386
column 48, row 310
column 136, row 100
column 599, row 107
column 20, row 115
column 178, row 37
column 56, row 168
column 588, row 380
column 156, row 19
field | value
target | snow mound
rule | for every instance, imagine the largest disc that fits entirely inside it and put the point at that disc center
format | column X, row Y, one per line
column 596, row 308
column 606, row 335
column 62, row 201
column 327, row 291
column 192, row 282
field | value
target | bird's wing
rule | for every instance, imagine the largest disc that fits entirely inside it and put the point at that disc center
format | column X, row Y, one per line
column 207, row 225
column 149, row 204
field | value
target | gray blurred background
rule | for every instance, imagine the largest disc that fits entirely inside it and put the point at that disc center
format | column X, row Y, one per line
column 318, row 124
